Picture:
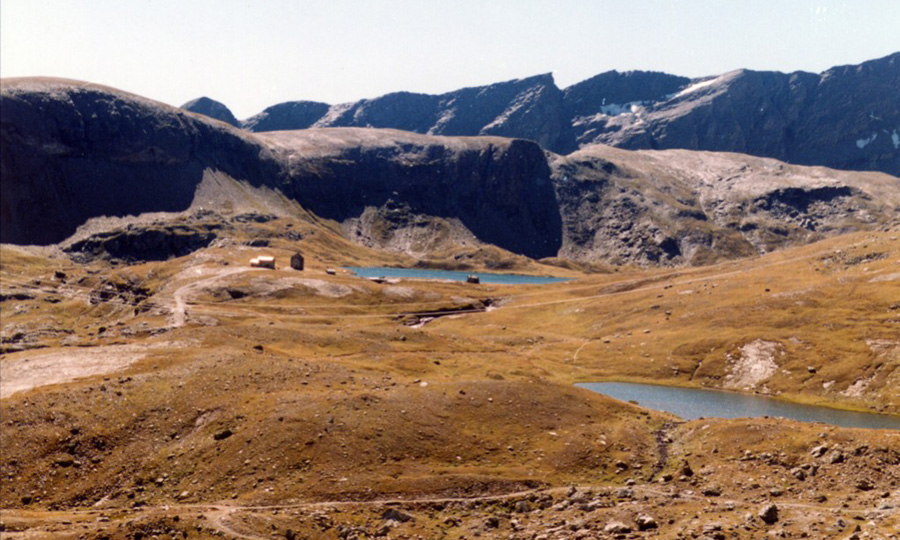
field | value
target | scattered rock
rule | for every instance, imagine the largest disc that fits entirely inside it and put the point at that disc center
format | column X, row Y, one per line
column 394, row 514
column 222, row 434
column 645, row 522
column 769, row 514
column 864, row 485
column 616, row 527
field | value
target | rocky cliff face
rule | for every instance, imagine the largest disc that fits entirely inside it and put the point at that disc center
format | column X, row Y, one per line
column 530, row 108
column 212, row 109
column 74, row 151
column 686, row 207
column 499, row 189
column 613, row 91
column 847, row 117
column 286, row 116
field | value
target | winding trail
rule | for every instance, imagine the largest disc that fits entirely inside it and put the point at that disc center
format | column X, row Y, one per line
column 180, row 295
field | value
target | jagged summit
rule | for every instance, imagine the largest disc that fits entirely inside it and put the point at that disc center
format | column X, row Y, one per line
column 529, row 108
column 797, row 117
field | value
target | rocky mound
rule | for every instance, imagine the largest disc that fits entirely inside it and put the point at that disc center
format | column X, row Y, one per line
column 141, row 244
column 212, row 109
column 677, row 206
column 287, row 116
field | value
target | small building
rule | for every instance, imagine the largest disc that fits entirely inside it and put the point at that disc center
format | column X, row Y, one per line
column 297, row 261
column 263, row 261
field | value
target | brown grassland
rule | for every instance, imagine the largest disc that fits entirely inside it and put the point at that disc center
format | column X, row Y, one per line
column 198, row 397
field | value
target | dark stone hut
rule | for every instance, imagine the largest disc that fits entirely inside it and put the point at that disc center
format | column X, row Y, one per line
column 297, row 261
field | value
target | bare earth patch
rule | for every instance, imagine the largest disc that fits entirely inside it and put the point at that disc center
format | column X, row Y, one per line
column 887, row 277
column 755, row 364
column 27, row 370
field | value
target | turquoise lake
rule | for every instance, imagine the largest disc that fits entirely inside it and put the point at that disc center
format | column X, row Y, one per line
column 418, row 273
column 690, row 404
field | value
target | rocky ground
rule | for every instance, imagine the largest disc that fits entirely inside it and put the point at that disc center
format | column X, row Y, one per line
column 196, row 397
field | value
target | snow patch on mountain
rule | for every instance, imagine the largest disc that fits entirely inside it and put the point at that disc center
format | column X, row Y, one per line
column 696, row 87
column 862, row 143
column 616, row 109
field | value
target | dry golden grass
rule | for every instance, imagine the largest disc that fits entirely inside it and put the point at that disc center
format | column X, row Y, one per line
column 327, row 395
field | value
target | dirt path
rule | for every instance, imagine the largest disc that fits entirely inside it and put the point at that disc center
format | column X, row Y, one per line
column 218, row 516
column 218, row 520
column 181, row 294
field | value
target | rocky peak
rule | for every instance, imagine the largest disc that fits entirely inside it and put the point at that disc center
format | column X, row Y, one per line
column 212, row 109
column 612, row 88
column 287, row 116
column 798, row 117
column 529, row 108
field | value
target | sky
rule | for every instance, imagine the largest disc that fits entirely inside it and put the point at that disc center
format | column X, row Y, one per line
column 250, row 54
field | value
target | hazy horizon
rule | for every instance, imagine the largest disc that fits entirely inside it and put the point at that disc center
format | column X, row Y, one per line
column 251, row 56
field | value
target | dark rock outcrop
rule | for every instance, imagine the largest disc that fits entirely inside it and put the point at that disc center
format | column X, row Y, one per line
column 530, row 108
column 212, row 109
column 499, row 189
column 140, row 244
column 72, row 151
column 286, row 116
column 847, row 117
column 612, row 90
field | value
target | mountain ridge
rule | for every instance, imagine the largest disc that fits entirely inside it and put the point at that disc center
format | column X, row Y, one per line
column 797, row 117
column 74, row 151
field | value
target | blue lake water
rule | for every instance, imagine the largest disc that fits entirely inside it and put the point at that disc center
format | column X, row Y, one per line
column 418, row 273
column 690, row 404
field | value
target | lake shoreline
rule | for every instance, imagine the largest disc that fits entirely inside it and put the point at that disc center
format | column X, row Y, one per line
column 689, row 402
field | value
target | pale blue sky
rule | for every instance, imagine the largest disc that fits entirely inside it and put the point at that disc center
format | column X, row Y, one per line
column 250, row 54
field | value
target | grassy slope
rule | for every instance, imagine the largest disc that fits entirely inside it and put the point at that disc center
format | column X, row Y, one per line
column 334, row 405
